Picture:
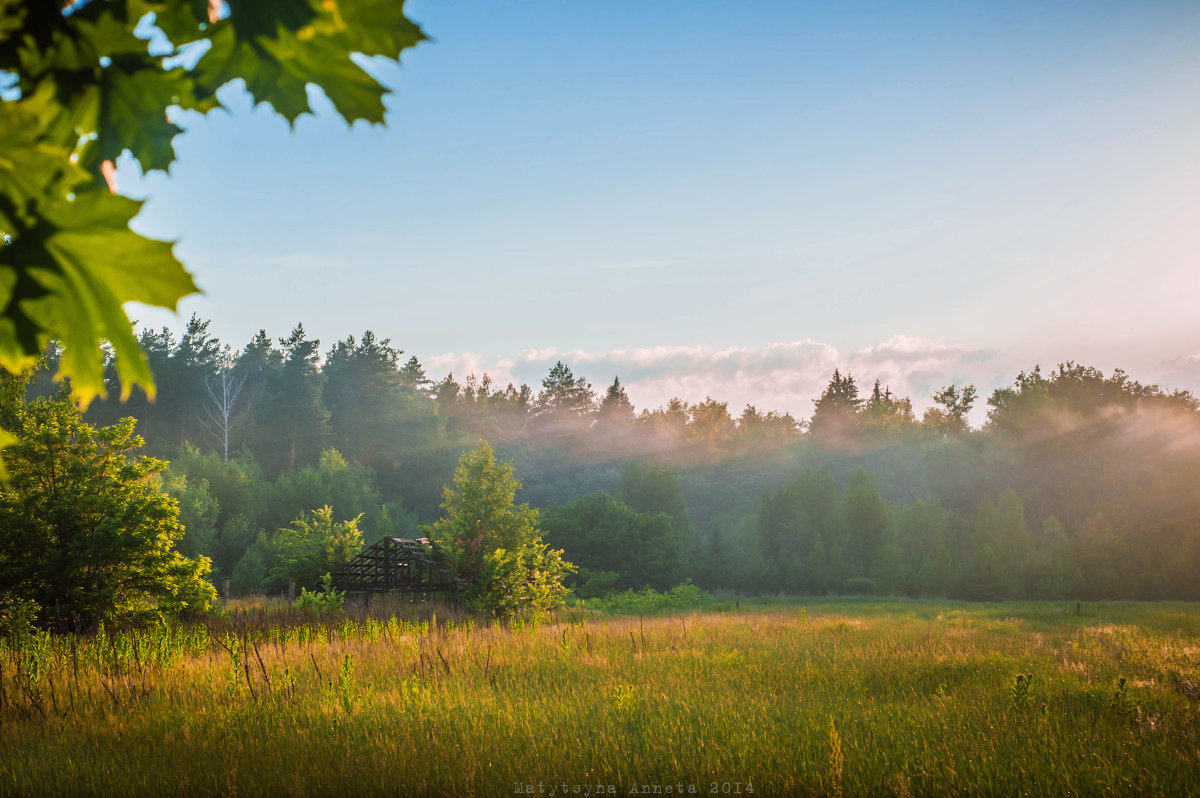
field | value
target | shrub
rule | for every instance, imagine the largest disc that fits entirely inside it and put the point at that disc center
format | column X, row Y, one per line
column 327, row 601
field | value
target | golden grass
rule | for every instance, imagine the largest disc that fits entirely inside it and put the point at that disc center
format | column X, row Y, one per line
column 879, row 698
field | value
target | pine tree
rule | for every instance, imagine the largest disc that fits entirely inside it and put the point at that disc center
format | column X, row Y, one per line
column 412, row 377
column 616, row 411
column 834, row 415
column 292, row 418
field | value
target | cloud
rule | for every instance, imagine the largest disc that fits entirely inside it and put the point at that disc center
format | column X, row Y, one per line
column 783, row 376
column 916, row 367
column 1182, row 373
column 461, row 366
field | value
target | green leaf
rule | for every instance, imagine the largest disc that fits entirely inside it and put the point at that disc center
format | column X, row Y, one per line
column 306, row 41
column 74, row 273
column 182, row 21
column 132, row 113
column 6, row 439
column 12, row 16
column 377, row 27
column 89, row 91
column 31, row 166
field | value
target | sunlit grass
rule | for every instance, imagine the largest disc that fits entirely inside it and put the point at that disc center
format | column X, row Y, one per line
column 858, row 698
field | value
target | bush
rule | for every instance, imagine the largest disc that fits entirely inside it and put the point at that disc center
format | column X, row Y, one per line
column 86, row 531
column 327, row 601
column 17, row 616
column 681, row 597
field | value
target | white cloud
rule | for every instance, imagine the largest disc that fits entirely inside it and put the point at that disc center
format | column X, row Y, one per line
column 1181, row 373
column 783, row 376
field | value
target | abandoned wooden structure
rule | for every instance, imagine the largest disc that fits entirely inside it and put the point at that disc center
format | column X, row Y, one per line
column 398, row 565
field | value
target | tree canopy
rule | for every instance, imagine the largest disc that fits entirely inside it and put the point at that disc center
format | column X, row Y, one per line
column 1103, row 468
column 494, row 542
column 91, row 80
column 86, row 532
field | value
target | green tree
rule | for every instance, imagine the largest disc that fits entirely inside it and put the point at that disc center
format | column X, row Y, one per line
column 314, row 545
column 836, row 411
column 711, row 426
column 85, row 529
column 866, row 523
column 1053, row 574
column 362, row 392
column 292, row 418
column 348, row 487
column 885, row 414
column 951, row 405
column 198, row 512
column 668, row 424
column 651, row 489
column 600, row 532
column 250, row 574
column 924, row 532
column 412, row 377
column 87, row 89
column 757, row 430
column 240, row 494
column 495, row 543
column 616, row 411
column 792, row 522
column 998, row 561
column 565, row 400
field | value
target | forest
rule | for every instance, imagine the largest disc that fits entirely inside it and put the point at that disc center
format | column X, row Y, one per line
column 1080, row 485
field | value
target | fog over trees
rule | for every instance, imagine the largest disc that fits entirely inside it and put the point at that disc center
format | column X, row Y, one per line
column 1079, row 485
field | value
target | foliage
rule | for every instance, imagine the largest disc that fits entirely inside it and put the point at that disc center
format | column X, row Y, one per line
column 249, row 575
column 314, row 544
column 654, row 488
column 564, row 395
column 1101, row 468
column 327, row 601
column 794, row 525
column 18, row 616
column 950, row 408
column 835, row 410
column 88, row 88
column 348, row 487
column 85, row 529
column 495, row 543
column 198, row 512
column 601, row 533
column 648, row 600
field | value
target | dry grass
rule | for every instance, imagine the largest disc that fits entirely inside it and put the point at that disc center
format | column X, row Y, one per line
column 857, row 699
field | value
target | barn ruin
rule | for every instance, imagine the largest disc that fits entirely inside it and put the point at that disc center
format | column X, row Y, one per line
column 399, row 565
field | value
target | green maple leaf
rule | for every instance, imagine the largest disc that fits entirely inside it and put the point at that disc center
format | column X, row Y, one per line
column 89, row 90
column 306, row 41
column 73, row 273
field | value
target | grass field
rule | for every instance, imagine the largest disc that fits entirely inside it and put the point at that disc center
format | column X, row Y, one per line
column 832, row 698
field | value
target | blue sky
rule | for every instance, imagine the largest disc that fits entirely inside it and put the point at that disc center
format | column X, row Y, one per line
column 725, row 199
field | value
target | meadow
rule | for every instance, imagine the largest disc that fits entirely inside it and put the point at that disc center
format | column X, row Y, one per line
column 827, row 697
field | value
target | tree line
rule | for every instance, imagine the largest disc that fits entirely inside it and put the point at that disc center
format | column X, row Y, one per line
column 1079, row 484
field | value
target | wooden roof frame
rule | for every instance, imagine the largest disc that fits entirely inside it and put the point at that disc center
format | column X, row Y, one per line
column 398, row 565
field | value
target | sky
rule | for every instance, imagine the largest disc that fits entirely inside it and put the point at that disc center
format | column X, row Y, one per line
column 724, row 199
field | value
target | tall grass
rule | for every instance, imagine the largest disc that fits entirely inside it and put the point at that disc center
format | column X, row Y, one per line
column 869, row 698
